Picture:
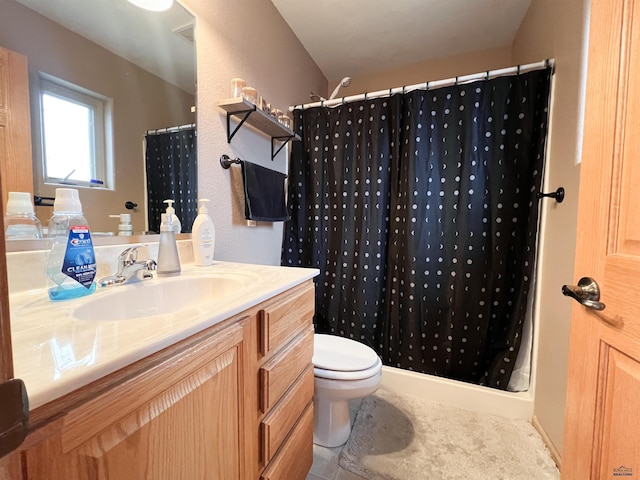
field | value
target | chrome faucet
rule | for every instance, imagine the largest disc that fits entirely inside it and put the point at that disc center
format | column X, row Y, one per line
column 128, row 267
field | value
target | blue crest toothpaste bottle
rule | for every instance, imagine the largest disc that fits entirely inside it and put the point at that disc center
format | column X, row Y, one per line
column 71, row 266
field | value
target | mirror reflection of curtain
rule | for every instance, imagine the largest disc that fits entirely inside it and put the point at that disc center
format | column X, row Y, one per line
column 172, row 173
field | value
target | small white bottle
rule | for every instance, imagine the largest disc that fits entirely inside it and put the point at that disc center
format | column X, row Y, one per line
column 168, row 259
column 175, row 222
column 71, row 265
column 203, row 235
column 20, row 222
column 125, row 229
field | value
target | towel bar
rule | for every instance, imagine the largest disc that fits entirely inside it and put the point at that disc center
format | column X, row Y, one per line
column 226, row 161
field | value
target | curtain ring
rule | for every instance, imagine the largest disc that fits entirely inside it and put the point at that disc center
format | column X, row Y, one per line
column 427, row 86
column 365, row 96
column 487, row 75
column 321, row 103
column 390, row 91
column 403, row 89
column 343, row 101
column 518, row 69
column 456, row 84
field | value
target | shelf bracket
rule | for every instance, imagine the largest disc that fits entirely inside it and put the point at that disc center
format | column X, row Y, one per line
column 284, row 141
column 246, row 114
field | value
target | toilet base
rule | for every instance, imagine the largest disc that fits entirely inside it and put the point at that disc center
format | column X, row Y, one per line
column 331, row 422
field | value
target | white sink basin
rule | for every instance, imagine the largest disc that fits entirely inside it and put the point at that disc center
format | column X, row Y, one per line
column 154, row 297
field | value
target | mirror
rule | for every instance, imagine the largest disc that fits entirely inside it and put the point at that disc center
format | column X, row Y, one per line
column 143, row 61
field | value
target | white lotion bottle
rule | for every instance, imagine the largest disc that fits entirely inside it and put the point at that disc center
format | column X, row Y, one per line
column 203, row 236
column 175, row 221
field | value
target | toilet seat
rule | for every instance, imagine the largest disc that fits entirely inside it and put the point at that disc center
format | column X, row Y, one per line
column 352, row 375
column 341, row 358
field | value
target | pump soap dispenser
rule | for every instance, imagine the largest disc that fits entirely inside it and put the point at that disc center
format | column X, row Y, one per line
column 203, row 235
column 125, row 228
column 175, row 221
column 168, row 260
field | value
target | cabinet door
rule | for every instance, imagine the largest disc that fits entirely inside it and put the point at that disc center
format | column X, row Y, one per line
column 190, row 429
column 10, row 467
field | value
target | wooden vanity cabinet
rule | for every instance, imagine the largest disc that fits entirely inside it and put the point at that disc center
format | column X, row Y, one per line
column 179, row 419
column 191, row 411
column 286, row 386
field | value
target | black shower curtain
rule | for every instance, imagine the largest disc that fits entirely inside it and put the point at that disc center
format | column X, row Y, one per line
column 172, row 173
column 419, row 210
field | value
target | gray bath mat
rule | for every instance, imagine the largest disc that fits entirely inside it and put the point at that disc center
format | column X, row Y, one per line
column 399, row 438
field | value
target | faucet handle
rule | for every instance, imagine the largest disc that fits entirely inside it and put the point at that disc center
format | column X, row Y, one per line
column 150, row 265
column 129, row 256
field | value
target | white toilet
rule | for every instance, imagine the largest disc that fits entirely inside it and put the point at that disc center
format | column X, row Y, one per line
column 344, row 369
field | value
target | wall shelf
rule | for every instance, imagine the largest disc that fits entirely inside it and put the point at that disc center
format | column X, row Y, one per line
column 247, row 112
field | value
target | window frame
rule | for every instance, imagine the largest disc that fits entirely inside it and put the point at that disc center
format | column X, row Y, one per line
column 101, row 107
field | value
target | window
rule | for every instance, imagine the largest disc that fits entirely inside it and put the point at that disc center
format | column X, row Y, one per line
column 76, row 135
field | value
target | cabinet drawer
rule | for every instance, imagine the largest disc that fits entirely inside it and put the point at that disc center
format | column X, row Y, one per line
column 294, row 459
column 281, row 321
column 279, row 373
column 276, row 426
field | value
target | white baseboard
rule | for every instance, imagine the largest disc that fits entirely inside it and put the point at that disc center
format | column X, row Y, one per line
column 555, row 454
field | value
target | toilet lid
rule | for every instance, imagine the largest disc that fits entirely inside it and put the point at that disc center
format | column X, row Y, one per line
column 342, row 354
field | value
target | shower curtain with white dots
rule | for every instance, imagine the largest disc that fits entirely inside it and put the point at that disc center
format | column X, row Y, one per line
column 172, row 173
column 420, row 211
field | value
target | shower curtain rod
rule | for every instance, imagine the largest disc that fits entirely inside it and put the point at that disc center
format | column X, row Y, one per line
column 171, row 129
column 429, row 85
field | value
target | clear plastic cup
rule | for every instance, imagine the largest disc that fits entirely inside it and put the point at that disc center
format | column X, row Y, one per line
column 250, row 94
column 237, row 84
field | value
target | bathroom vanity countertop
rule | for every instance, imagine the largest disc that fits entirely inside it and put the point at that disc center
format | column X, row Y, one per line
column 56, row 352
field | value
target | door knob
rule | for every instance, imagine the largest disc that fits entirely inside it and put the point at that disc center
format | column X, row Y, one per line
column 586, row 292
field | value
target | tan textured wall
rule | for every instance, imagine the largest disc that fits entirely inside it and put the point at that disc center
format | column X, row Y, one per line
column 247, row 39
column 437, row 69
column 141, row 102
column 553, row 29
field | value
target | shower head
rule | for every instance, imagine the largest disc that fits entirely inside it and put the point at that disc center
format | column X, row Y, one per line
column 345, row 82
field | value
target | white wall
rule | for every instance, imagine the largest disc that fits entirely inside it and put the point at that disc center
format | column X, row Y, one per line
column 553, row 29
column 436, row 69
column 246, row 39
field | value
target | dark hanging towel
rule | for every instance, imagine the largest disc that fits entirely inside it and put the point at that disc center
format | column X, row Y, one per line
column 264, row 195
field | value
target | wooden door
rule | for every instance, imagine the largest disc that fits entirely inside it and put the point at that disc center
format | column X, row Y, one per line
column 15, row 174
column 602, row 431
column 15, row 170
column 16, row 165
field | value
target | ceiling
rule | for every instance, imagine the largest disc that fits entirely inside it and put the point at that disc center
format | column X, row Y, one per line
column 359, row 37
column 148, row 39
